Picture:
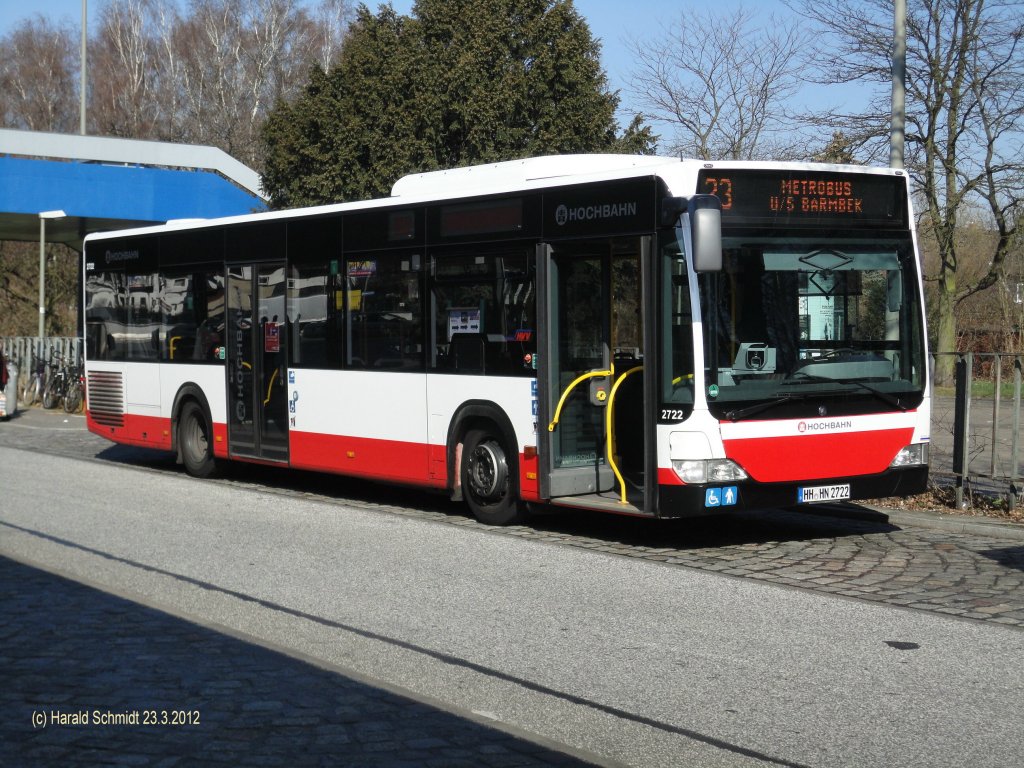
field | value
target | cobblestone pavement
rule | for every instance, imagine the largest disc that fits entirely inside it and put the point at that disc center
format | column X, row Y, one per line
column 139, row 687
column 972, row 576
column 892, row 557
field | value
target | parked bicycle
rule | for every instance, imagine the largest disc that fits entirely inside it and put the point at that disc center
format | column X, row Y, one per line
column 32, row 388
column 59, row 381
column 74, row 394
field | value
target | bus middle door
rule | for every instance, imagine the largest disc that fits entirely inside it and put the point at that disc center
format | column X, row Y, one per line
column 256, row 358
column 591, row 357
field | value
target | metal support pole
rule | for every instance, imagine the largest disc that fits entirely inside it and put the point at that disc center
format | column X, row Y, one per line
column 42, row 268
column 899, row 78
column 961, row 423
column 42, row 278
column 997, row 361
column 83, row 80
column 1015, row 440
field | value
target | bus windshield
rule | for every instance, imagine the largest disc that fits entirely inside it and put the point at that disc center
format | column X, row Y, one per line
column 803, row 326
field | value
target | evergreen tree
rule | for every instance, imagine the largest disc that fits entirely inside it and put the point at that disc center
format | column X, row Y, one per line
column 460, row 82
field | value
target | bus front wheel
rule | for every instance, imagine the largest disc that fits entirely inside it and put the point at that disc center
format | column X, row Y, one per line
column 487, row 482
column 195, row 441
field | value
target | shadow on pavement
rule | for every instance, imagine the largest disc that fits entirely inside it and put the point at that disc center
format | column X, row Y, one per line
column 105, row 665
column 1008, row 557
column 833, row 520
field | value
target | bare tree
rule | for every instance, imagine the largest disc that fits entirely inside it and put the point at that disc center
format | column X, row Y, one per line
column 965, row 122
column 134, row 92
column 38, row 74
column 721, row 83
column 209, row 75
column 239, row 57
column 331, row 20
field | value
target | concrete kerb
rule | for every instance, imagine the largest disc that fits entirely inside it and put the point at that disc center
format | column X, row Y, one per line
column 953, row 523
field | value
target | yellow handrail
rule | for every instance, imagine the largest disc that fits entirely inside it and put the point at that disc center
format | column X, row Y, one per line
column 577, row 380
column 270, row 386
column 610, row 436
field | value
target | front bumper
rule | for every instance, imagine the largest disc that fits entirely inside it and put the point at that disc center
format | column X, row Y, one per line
column 698, row 500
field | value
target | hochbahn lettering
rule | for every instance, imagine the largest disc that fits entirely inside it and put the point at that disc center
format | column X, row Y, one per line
column 823, row 426
column 567, row 215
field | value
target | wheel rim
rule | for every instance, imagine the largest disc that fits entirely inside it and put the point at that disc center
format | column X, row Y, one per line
column 195, row 439
column 488, row 471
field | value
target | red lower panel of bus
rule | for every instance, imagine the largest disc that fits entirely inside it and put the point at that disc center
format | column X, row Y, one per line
column 387, row 460
column 144, row 431
column 363, row 457
column 151, row 432
column 357, row 456
column 812, row 457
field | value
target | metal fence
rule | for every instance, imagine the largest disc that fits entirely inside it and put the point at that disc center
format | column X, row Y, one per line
column 28, row 352
column 975, row 435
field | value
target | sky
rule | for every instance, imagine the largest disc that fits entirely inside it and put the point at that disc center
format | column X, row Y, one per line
column 613, row 22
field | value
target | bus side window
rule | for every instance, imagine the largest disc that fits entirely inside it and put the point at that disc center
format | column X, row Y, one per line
column 385, row 316
column 484, row 314
column 315, row 311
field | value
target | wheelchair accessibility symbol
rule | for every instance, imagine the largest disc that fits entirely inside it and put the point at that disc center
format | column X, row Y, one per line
column 721, row 497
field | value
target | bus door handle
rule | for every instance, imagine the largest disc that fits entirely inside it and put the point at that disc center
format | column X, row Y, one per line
column 600, row 374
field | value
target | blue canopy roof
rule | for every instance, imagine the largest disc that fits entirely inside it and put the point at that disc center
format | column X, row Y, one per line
column 102, row 184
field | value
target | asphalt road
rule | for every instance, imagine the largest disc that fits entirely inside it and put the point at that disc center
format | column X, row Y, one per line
column 619, row 659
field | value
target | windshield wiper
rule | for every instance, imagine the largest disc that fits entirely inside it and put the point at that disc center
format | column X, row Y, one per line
column 750, row 410
column 880, row 394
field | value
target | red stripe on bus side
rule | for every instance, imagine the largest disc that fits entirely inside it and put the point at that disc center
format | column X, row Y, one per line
column 363, row 457
column 341, row 454
column 220, row 440
column 814, row 457
column 529, row 486
column 143, row 431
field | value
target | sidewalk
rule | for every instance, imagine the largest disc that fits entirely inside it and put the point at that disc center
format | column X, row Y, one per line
column 84, row 670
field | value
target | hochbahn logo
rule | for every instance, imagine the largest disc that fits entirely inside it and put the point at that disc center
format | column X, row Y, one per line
column 568, row 215
column 823, row 426
column 114, row 256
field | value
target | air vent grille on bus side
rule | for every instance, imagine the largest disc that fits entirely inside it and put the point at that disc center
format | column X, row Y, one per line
column 106, row 398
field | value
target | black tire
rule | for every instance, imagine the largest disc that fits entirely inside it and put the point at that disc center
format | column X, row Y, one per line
column 195, row 441
column 73, row 399
column 51, row 394
column 488, row 479
column 28, row 392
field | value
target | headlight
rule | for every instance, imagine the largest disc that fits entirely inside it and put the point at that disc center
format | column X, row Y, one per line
column 708, row 470
column 911, row 455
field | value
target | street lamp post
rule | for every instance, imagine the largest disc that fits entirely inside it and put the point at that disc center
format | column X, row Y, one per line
column 42, row 269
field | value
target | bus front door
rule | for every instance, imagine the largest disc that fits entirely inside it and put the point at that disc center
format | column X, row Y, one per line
column 256, row 361
column 595, row 433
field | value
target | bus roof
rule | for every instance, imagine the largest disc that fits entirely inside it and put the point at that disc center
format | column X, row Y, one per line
column 515, row 173
column 507, row 176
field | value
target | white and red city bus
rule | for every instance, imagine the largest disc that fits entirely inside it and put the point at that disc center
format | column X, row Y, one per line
column 639, row 335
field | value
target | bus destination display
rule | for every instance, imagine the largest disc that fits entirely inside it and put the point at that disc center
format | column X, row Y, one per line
column 809, row 198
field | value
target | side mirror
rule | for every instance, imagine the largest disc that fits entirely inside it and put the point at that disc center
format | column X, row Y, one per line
column 706, row 232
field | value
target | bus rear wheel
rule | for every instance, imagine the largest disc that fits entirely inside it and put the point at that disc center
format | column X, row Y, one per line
column 195, row 441
column 487, row 482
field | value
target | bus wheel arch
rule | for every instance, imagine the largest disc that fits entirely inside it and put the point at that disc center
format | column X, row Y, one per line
column 192, row 432
column 483, row 463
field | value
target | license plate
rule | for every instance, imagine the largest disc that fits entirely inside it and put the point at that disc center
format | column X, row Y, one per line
column 822, row 493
